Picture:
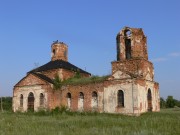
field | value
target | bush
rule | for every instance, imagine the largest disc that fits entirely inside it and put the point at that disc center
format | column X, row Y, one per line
column 162, row 103
column 59, row 110
column 6, row 103
column 57, row 83
column 170, row 102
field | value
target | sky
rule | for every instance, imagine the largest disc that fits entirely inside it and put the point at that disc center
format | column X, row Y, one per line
column 89, row 28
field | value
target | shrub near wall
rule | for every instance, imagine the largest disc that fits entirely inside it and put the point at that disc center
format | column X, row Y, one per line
column 6, row 103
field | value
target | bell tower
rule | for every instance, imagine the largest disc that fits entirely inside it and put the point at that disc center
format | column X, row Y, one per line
column 131, row 43
column 59, row 51
column 132, row 56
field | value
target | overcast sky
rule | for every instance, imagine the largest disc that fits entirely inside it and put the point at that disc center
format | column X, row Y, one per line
column 89, row 28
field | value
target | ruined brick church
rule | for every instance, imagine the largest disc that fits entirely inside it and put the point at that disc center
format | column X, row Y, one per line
column 130, row 89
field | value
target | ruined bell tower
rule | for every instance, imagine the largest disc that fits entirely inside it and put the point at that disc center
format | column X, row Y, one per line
column 132, row 56
column 59, row 51
column 133, row 74
column 131, row 44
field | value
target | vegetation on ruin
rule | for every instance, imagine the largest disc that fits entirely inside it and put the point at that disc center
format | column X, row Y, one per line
column 62, row 122
column 84, row 80
column 77, row 79
column 57, row 82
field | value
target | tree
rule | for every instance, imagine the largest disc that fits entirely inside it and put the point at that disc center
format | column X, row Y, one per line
column 170, row 102
column 177, row 103
column 6, row 103
column 162, row 103
column 1, row 105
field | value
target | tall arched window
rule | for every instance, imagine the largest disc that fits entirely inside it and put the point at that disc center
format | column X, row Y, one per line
column 81, row 101
column 149, row 99
column 94, row 100
column 128, row 43
column 21, row 100
column 68, row 100
column 41, row 100
column 31, row 101
column 120, row 98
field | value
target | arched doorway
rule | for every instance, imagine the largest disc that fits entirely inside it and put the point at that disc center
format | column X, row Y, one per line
column 81, row 102
column 149, row 99
column 31, row 102
column 94, row 101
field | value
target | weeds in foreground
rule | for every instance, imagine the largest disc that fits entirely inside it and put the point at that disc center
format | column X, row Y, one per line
column 63, row 122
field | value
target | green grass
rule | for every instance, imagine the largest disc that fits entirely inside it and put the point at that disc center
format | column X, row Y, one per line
column 166, row 122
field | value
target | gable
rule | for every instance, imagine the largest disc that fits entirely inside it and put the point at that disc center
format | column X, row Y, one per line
column 31, row 79
column 120, row 75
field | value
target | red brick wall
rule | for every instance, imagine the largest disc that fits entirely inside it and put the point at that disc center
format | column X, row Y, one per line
column 59, row 97
column 68, row 74
column 61, row 51
column 133, row 66
column 63, row 73
column 51, row 73
column 30, row 80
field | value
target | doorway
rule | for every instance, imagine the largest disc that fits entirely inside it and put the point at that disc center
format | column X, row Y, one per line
column 31, row 102
column 149, row 99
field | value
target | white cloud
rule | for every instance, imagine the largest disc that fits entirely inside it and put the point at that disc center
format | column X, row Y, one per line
column 175, row 54
column 159, row 59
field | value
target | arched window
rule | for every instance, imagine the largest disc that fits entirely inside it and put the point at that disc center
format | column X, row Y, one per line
column 81, row 101
column 21, row 100
column 41, row 100
column 81, row 95
column 149, row 99
column 94, row 101
column 54, row 51
column 31, row 101
column 127, row 34
column 68, row 100
column 120, row 98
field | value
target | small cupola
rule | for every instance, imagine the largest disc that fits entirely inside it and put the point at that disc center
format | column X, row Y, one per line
column 59, row 51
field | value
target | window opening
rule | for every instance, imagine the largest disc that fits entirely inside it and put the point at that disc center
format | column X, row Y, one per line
column 81, row 101
column 120, row 97
column 149, row 98
column 94, row 101
column 21, row 100
column 41, row 99
column 69, row 100
column 31, row 101
column 128, row 48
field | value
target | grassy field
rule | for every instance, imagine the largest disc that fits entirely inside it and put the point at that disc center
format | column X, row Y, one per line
column 166, row 122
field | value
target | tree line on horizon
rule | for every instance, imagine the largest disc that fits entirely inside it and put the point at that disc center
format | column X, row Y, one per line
column 170, row 102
